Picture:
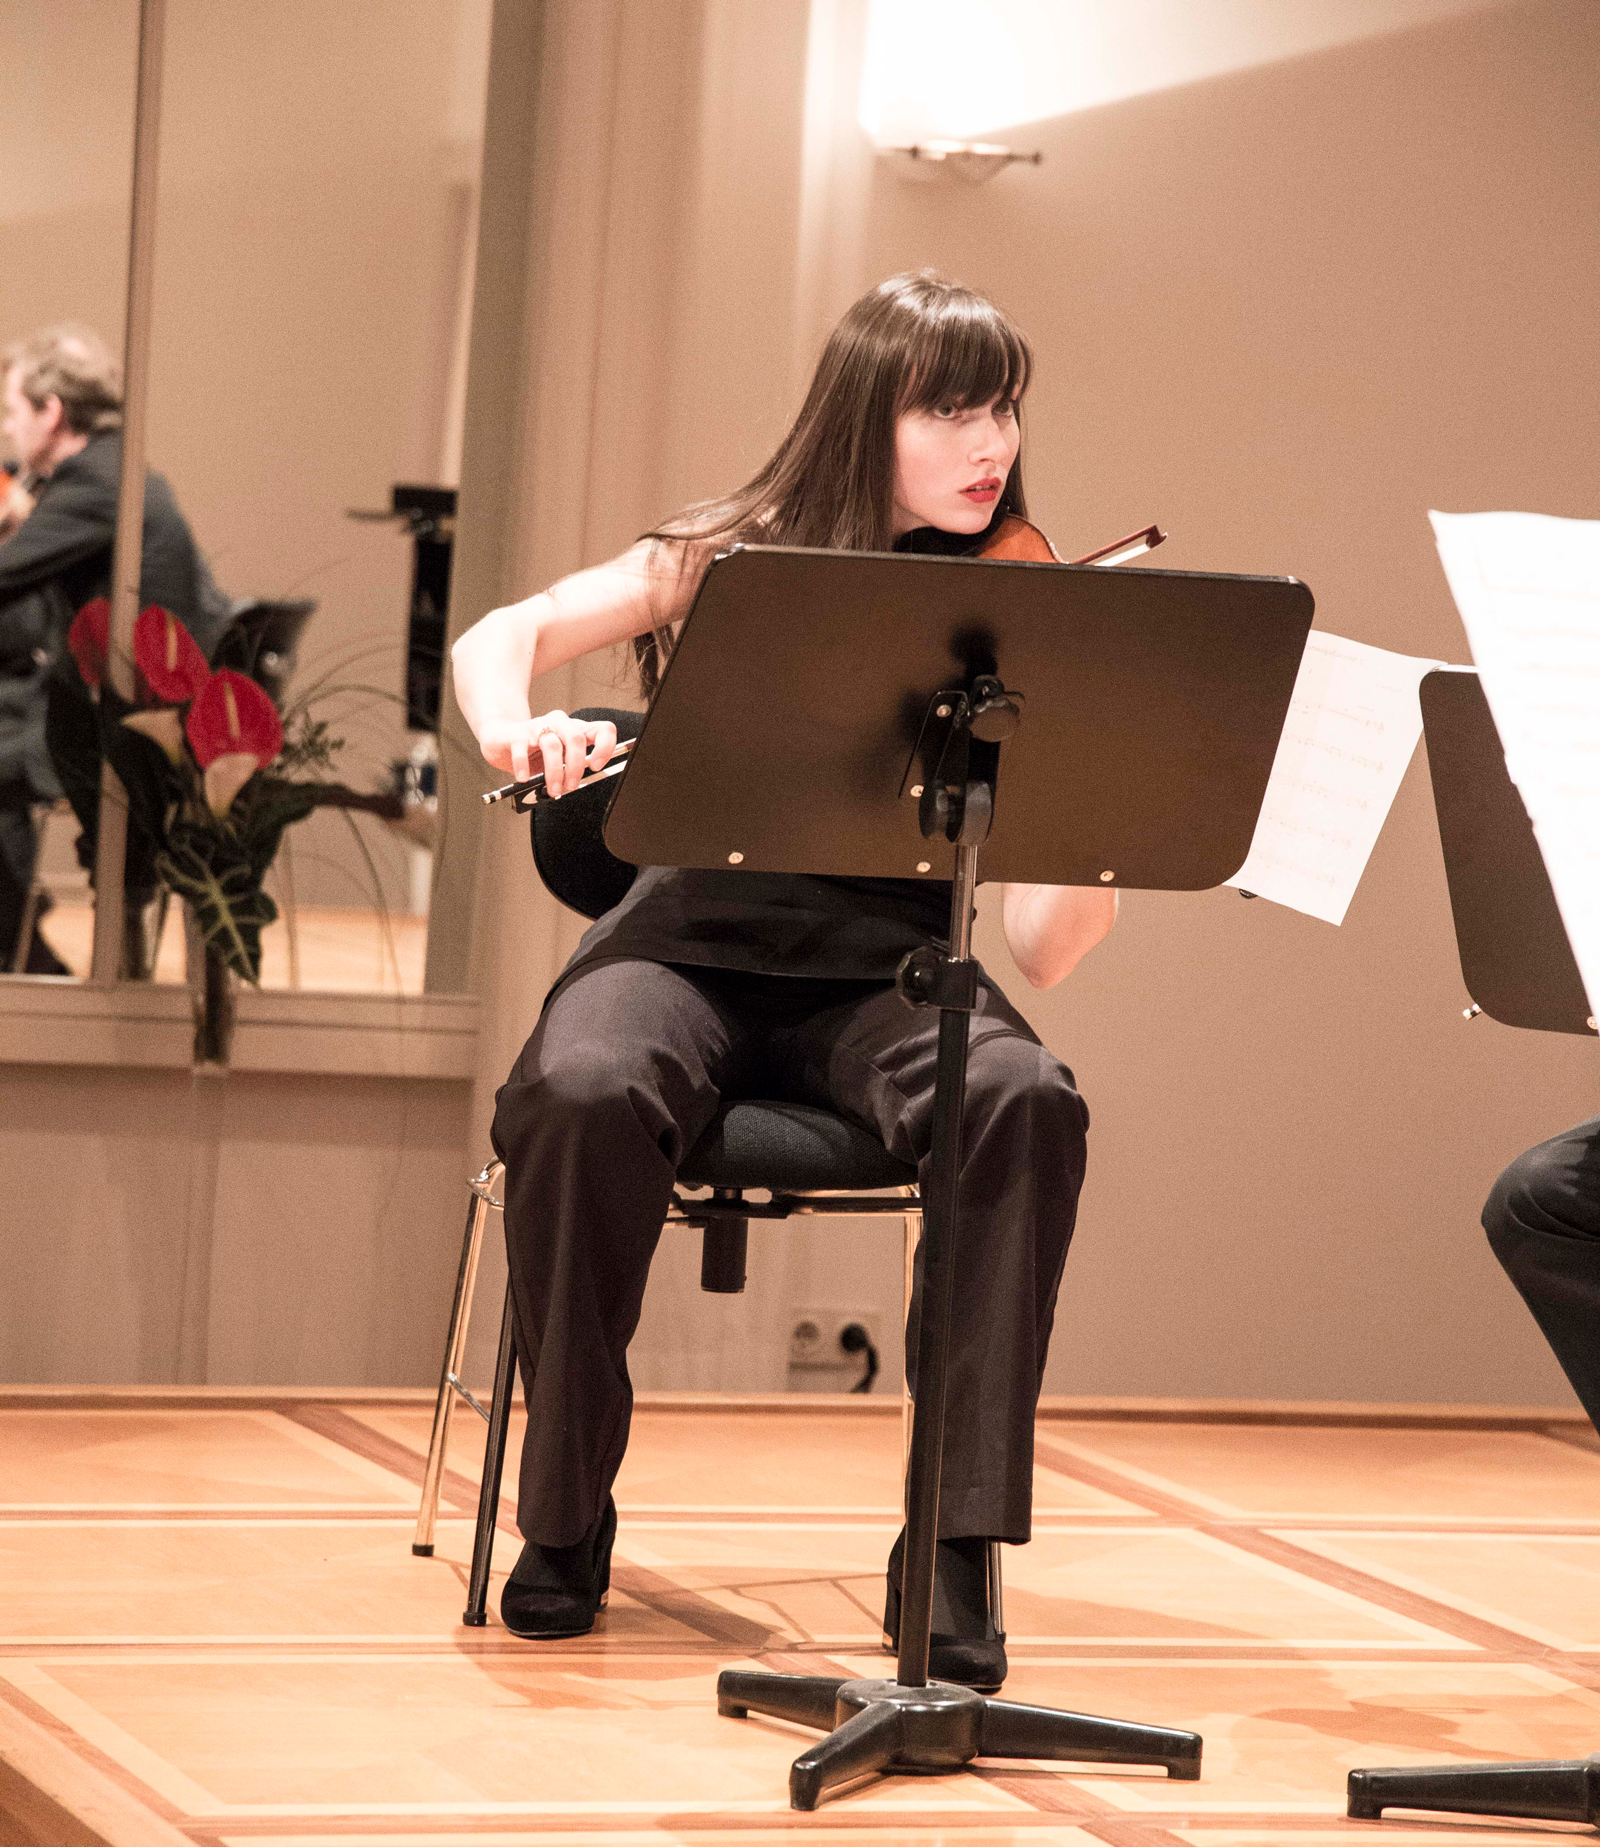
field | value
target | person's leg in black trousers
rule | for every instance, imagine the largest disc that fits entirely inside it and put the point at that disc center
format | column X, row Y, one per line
column 1022, row 1163
column 624, row 1071
column 1543, row 1221
column 1023, row 1154
column 626, row 1068
column 17, row 849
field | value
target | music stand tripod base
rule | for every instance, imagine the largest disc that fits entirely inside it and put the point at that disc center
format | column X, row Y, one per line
column 1556, row 1791
column 879, row 1725
column 911, row 1723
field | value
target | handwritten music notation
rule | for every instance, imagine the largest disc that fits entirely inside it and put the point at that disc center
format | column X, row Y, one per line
column 1352, row 728
column 1528, row 589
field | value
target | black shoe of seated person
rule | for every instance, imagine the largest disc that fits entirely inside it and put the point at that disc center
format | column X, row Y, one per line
column 43, row 960
column 964, row 1645
column 556, row 1591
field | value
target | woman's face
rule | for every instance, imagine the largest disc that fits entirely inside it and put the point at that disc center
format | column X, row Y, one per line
column 951, row 464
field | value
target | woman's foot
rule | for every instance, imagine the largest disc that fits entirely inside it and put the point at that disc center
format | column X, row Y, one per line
column 559, row 1590
column 965, row 1646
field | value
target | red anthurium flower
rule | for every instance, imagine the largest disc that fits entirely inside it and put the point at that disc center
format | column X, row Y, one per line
column 168, row 656
column 89, row 638
column 232, row 716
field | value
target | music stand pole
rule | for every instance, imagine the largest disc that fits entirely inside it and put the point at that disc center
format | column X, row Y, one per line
column 956, row 979
column 910, row 1722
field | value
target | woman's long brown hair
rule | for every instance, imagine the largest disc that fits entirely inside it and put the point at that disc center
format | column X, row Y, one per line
column 916, row 342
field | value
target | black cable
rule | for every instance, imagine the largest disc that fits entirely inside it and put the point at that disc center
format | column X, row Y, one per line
column 854, row 1338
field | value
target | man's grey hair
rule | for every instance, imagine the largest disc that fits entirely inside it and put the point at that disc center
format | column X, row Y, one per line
column 74, row 364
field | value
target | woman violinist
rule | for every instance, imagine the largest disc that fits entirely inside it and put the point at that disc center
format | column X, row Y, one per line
column 705, row 985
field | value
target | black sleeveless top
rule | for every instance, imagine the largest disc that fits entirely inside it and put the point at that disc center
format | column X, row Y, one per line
column 779, row 923
column 770, row 923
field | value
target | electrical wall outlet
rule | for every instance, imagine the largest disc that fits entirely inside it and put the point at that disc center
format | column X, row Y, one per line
column 816, row 1349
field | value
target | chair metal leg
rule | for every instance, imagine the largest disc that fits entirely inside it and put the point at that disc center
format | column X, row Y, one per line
column 913, row 1234
column 494, row 1462
column 724, row 1250
column 997, row 1603
column 997, row 1590
column 480, row 1200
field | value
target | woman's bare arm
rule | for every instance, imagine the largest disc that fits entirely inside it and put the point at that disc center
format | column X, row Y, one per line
column 494, row 662
column 1051, row 928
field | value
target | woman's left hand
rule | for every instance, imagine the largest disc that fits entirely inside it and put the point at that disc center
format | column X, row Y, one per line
column 1051, row 928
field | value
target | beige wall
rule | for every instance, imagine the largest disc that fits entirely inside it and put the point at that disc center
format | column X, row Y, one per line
column 310, row 1223
column 1283, row 311
column 64, row 193
column 317, row 177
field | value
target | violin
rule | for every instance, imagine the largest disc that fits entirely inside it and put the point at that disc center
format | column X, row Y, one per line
column 1019, row 541
column 1014, row 541
column 16, row 500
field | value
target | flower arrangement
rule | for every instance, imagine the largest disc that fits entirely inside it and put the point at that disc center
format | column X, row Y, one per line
column 202, row 755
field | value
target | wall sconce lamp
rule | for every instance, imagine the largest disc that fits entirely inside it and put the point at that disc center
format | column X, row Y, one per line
column 971, row 161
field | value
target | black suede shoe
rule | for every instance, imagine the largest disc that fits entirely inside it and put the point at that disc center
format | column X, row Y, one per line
column 965, row 1646
column 560, row 1590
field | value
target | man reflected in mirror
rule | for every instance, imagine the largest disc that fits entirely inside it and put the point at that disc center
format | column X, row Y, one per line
column 63, row 419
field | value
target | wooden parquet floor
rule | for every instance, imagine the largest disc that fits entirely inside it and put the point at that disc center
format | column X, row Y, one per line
column 212, row 1629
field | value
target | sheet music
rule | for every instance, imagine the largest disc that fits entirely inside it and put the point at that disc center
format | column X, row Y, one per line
column 1353, row 725
column 1528, row 589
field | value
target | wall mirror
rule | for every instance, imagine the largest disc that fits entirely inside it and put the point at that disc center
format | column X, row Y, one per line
column 64, row 198
column 316, row 205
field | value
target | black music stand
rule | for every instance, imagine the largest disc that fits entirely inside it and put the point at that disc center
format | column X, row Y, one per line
column 1519, row 969
column 1515, row 957
column 846, row 713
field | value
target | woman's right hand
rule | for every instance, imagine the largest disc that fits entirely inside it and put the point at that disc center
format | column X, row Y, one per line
column 554, row 743
column 496, row 660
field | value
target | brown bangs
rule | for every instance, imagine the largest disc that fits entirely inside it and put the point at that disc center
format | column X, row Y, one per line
column 967, row 353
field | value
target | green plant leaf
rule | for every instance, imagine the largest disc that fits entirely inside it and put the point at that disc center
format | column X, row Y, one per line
column 209, row 868
column 262, row 809
column 153, row 782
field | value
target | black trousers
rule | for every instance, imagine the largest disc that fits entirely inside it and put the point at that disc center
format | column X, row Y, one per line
column 626, row 1068
column 18, row 848
column 1543, row 1221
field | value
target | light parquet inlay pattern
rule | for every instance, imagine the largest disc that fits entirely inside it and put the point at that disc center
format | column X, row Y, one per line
column 212, row 1629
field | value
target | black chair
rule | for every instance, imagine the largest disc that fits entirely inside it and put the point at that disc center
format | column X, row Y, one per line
column 262, row 641
column 811, row 1162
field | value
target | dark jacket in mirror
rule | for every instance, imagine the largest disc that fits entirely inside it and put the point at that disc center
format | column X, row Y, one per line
column 56, row 561
column 64, row 545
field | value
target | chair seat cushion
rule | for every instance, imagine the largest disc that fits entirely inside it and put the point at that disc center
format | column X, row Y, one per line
column 790, row 1148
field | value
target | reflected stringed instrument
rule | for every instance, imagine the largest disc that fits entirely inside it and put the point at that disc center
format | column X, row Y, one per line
column 1014, row 541
column 16, row 499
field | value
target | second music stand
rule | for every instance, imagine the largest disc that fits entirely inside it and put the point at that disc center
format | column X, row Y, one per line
column 1515, row 958
column 1520, row 970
